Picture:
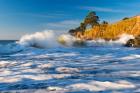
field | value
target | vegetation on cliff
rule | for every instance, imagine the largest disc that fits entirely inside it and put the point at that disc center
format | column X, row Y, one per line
column 104, row 30
column 90, row 20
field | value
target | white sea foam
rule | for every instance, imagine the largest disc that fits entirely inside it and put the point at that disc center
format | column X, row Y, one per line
column 131, row 57
column 49, row 65
column 45, row 39
column 51, row 39
column 9, row 79
column 102, row 86
column 4, row 64
column 122, row 39
column 67, row 39
column 74, row 69
column 53, row 88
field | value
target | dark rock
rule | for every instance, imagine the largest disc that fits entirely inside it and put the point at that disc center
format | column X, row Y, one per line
column 130, row 43
column 72, row 31
column 133, row 42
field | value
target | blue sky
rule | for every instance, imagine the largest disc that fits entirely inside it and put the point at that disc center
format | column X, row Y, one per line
column 20, row 17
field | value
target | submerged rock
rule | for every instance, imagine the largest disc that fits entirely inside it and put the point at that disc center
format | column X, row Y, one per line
column 133, row 42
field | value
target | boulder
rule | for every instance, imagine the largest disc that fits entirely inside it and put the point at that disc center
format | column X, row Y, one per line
column 133, row 42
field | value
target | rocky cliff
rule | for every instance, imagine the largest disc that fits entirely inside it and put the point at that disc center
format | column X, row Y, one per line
column 112, row 31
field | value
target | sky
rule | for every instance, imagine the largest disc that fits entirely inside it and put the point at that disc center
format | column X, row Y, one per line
column 20, row 17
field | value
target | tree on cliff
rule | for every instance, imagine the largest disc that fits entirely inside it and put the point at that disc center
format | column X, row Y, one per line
column 104, row 22
column 91, row 19
column 81, row 28
column 125, row 18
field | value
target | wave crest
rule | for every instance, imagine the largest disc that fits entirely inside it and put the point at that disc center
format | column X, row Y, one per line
column 46, row 39
column 50, row 39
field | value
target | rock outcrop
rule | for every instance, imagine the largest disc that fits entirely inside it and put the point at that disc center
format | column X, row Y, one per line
column 133, row 42
column 112, row 31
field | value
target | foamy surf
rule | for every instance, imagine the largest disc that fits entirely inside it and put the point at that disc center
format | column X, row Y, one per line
column 75, row 69
column 121, row 41
column 88, row 69
column 51, row 39
column 41, row 40
column 45, row 39
column 48, row 39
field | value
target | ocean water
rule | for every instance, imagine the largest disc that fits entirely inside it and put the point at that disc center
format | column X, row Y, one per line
column 98, row 67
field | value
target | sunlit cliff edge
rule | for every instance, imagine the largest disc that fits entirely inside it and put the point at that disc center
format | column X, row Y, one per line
column 111, row 31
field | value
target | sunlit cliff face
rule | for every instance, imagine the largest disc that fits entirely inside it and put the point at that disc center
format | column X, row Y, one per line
column 129, row 26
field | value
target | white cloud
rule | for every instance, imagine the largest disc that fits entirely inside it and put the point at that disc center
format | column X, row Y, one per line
column 103, row 9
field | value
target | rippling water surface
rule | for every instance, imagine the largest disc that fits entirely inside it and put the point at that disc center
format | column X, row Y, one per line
column 108, row 69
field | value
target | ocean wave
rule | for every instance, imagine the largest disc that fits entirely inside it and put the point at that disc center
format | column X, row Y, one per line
column 51, row 39
column 45, row 39
column 10, row 48
column 48, row 39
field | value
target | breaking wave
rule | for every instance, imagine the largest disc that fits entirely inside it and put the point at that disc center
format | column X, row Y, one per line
column 46, row 39
column 51, row 39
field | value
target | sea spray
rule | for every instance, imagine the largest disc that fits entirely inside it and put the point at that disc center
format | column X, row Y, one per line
column 67, row 39
column 51, row 39
column 122, row 39
column 45, row 39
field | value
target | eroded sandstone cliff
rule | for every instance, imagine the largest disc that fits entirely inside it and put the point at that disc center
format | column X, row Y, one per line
column 112, row 31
